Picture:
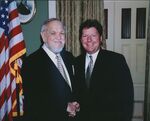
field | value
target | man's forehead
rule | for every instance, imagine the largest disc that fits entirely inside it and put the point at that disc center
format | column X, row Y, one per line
column 55, row 25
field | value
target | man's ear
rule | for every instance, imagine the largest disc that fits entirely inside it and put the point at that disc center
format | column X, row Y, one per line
column 43, row 35
column 101, row 40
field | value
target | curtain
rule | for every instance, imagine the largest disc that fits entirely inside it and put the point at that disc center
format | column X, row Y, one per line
column 147, row 79
column 72, row 13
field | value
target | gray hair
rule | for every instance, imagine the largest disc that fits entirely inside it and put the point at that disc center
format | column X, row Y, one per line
column 44, row 25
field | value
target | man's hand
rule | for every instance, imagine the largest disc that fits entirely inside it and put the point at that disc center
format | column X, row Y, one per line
column 72, row 108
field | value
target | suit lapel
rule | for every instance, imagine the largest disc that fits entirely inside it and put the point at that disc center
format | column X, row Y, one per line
column 82, row 67
column 53, row 69
column 68, row 65
column 98, row 62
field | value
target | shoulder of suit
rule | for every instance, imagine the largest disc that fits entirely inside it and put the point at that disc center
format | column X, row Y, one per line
column 40, row 53
column 67, row 54
column 81, row 56
column 111, row 53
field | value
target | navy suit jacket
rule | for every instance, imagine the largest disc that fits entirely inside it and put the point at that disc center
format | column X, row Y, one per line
column 110, row 95
column 46, row 92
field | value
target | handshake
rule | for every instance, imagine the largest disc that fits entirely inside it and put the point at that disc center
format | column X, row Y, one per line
column 72, row 108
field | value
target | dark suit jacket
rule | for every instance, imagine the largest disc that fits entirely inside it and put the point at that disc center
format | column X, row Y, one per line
column 46, row 92
column 110, row 96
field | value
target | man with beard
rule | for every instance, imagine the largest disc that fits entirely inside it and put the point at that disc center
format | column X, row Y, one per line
column 47, row 84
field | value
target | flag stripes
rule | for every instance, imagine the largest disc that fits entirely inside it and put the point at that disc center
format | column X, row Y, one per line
column 12, row 48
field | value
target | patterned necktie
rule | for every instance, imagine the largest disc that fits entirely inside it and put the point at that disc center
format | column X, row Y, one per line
column 89, row 71
column 60, row 67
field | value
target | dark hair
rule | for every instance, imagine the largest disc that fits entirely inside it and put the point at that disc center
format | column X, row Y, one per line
column 88, row 24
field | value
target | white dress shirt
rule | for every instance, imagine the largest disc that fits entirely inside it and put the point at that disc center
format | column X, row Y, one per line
column 87, row 59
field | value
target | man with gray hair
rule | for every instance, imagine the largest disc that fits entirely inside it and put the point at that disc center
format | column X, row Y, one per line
column 48, row 77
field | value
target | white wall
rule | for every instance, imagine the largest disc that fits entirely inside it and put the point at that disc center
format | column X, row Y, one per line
column 52, row 9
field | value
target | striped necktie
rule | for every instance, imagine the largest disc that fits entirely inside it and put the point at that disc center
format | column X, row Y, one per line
column 60, row 67
column 89, row 71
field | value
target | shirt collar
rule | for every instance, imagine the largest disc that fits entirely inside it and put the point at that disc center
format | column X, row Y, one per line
column 94, row 55
column 49, row 53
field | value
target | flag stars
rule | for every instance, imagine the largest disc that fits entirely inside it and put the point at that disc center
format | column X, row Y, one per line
column 4, row 23
column 6, row 9
column 2, row 16
column 7, row 25
column 6, row 1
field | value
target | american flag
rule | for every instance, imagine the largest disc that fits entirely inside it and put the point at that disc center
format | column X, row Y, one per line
column 12, row 48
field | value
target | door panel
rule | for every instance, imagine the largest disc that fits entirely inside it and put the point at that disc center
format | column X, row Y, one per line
column 127, row 35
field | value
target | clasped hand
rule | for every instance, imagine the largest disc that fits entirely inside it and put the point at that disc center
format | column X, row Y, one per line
column 72, row 108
